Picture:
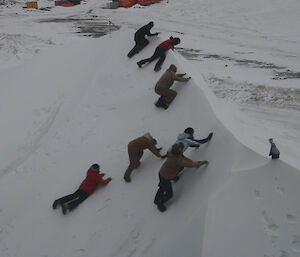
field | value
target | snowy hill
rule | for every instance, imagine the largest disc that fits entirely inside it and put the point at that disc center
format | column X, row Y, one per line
column 81, row 102
column 70, row 116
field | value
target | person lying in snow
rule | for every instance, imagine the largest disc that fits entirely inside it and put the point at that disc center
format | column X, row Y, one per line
column 139, row 37
column 86, row 188
column 160, row 52
column 175, row 162
column 136, row 149
column 162, row 87
column 274, row 152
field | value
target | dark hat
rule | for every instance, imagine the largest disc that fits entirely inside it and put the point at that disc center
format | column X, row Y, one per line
column 173, row 68
column 177, row 148
column 95, row 167
column 176, row 41
column 151, row 24
column 154, row 141
column 189, row 131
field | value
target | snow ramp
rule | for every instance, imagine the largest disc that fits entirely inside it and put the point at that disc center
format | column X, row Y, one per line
column 72, row 106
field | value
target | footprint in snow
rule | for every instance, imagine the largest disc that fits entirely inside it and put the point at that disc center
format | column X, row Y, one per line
column 271, row 228
column 292, row 219
column 280, row 190
column 296, row 244
column 258, row 194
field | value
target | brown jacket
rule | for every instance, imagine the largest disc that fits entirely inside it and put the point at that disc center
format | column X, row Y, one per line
column 141, row 143
column 174, row 164
column 167, row 80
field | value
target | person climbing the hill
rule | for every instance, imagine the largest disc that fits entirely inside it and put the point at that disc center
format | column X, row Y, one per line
column 162, row 87
column 188, row 140
column 160, row 52
column 175, row 162
column 139, row 37
column 86, row 188
column 274, row 152
column 136, row 149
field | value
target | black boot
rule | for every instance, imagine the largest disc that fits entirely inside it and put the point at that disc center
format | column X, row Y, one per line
column 161, row 207
column 54, row 205
column 162, row 103
column 140, row 64
column 157, row 68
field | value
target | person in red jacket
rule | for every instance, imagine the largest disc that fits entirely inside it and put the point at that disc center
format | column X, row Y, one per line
column 86, row 188
column 160, row 52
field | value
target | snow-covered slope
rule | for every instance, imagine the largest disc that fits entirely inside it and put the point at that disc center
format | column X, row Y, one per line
column 82, row 103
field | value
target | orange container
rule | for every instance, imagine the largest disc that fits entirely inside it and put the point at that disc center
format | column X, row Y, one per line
column 146, row 2
column 127, row 3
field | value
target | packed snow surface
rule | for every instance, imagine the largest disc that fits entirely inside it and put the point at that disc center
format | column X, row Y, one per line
column 70, row 97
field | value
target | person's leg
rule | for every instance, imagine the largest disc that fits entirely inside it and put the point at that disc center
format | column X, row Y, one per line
column 134, row 162
column 164, row 192
column 170, row 96
column 65, row 199
column 82, row 195
column 168, row 191
column 141, row 45
column 151, row 59
column 162, row 57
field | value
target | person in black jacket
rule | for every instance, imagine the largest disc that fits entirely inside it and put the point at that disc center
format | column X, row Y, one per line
column 139, row 37
column 274, row 152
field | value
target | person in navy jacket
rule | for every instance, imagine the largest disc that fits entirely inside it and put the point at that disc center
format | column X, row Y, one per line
column 139, row 37
column 86, row 188
column 160, row 52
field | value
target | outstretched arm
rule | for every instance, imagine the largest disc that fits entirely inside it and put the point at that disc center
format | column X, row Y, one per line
column 103, row 181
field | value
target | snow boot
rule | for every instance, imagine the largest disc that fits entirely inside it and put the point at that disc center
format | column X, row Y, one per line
column 157, row 68
column 139, row 64
column 161, row 207
column 54, row 205
column 65, row 208
column 162, row 103
column 127, row 179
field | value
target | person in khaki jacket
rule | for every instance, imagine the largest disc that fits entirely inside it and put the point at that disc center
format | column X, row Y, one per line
column 162, row 87
column 136, row 150
column 172, row 166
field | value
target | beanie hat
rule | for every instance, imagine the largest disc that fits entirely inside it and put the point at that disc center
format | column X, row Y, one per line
column 173, row 68
column 95, row 167
column 189, row 131
column 148, row 135
column 177, row 148
column 176, row 41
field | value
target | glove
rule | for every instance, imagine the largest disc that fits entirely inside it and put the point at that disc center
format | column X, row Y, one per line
column 205, row 163
column 157, row 33
column 159, row 149
column 163, row 156
column 102, row 174
column 189, row 78
column 109, row 179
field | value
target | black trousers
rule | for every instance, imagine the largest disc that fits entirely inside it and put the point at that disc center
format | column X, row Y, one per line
column 164, row 192
column 140, row 44
column 74, row 199
column 159, row 54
